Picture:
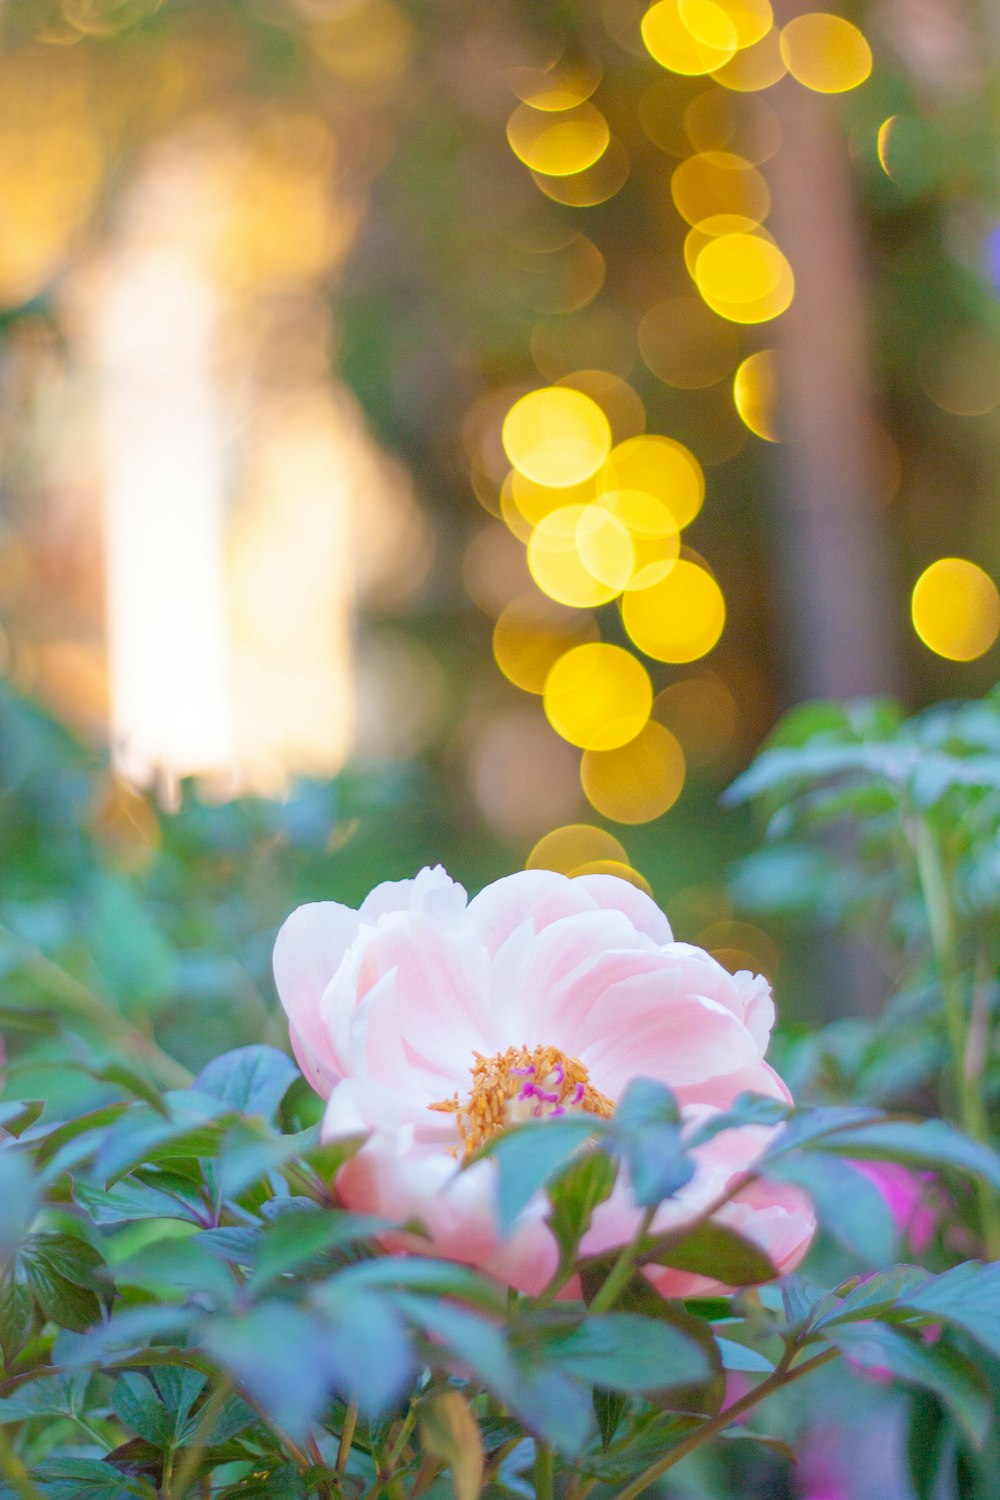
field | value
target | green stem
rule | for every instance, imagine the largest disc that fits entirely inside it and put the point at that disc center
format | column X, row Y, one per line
column 347, row 1436
column 936, row 898
column 620, row 1274
column 396, row 1452
column 13, row 1470
column 543, row 1470
column 782, row 1376
column 78, row 999
column 176, row 1488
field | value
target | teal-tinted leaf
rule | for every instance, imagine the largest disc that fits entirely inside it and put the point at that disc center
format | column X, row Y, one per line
column 305, row 1235
column 235, row 1417
column 967, row 1296
column 848, row 1204
column 61, row 1301
column 244, row 1158
column 552, row 1405
column 435, row 1278
column 935, row 1367
column 281, row 1356
column 918, row 1143
column 132, row 1330
column 143, row 1136
column 627, row 1352
column 131, row 1199
column 471, row 1340
column 90, row 1479
column 800, row 1299
column 94, row 1122
column 18, row 1196
column 68, row 1256
column 528, row 1156
column 138, row 1406
column 741, row 1357
column 574, row 1194
column 369, row 1348
column 711, row 1250
column 132, row 1082
column 646, row 1102
column 180, row 1265
column 647, row 1134
column 49, row 1396
column 179, row 1388
column 253, row 1079
column 746, row 1109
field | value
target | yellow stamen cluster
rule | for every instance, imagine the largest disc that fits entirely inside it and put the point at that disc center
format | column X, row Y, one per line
column 520, row 1084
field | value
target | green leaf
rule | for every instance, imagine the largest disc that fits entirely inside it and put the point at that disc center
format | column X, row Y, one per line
column 609, row 1408
column 179, row 1265
column 574, row 1194
column 627, row 1352
column 472, row 1340
column 16, row 1316
column 370, row 1353
column 305, row 1235
column 711, row 1250
column 646, row 1102
column 49, row 1396
column 138, row 1406
column 179, row 1388
column 143, row 1136
column 132, row 1199
column 435, row 1278
column 528, row 1156
column 68, row 1256
column 253, row 1079
column 62, row 1278
column 935, row 1367
column 552, row 1405
column 967, row 1296
column 17, row 1114
column 282, row 1358
column 450, row 1432
column 875, row 1296
column 741, row 1357
column 917, row 1143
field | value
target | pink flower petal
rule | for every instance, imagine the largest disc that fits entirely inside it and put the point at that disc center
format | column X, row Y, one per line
column 614, row 894
column 308, row 951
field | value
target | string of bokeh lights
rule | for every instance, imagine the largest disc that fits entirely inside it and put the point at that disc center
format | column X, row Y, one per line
column 599, row 503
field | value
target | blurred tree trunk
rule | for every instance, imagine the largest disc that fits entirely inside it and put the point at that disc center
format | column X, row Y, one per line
column 839, row 602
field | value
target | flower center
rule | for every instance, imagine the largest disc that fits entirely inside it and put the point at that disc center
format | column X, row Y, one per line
column 523, row 1083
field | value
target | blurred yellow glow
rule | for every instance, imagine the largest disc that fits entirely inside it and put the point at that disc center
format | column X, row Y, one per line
column 661, row 467
column 365, row 44
column 565, row 849
column 675, row 47
column 679, row 618
column 719, row 120
column 740, row 945
column 745, row 278
column 719, row 182
column 557, row 279
column 638, row 781
column 960, row 372
column 598, row 696
column 562, row 86
column 714, row 228
column 620, row 403
column 755, row 393
column 594, row 184
column 702, row 713
column 656, row 539
column 709, row 23
column 531, row 635
column 510, row 512
column 535, row 501
column 581, row 555
column 882, row 143
column 618, row 869
column 825, row 53
column 754, row 68
column 561, row 143
column 956, row 609
column 556, row 436
column 686, row 345
column 752, row 20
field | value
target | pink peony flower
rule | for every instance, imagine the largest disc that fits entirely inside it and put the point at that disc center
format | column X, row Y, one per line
column 429, row 1021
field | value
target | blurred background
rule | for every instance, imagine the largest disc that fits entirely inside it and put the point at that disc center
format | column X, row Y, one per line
column 457, row 433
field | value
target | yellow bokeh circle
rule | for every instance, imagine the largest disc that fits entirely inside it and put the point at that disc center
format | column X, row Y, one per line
column 825, row 53
column 675, row 47
column 560, row 143
column 565, row 548
column 744, row 277
column 565, row 849
column 755, row 394
column 754, row 68
column 719, row 182
column 956, row 609
column 638, row 781
column 661, row 467
column 680, row 617
column 556, row 436
column 532, row 633
column 598, row 696
column 616, row 868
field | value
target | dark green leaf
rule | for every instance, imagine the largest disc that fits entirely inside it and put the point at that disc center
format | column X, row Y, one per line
column 627, row 1352
column 920, row 1143
column 138, row 1406
column 304, row 1235
column 711, row 1250
column 17, row 1114
column 369, row 1350
column 875, row 1296
column 574, row 1194
column 609, row 1408
column 967, row 1296
column 16, row 1315
column 282, row 1358
column 90, row 1479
